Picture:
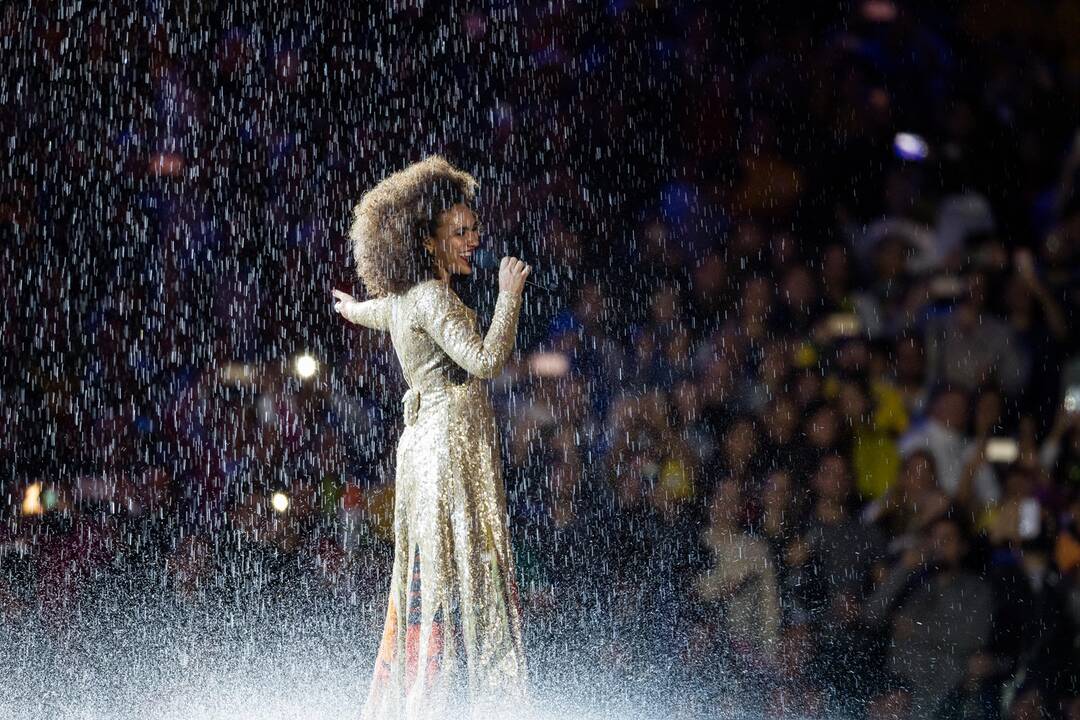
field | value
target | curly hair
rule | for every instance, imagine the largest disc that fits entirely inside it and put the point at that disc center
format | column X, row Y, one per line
column 392, row 220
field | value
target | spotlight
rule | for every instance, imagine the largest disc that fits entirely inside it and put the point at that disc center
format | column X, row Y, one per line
column 879, row 11
column 280, row 501
column 31, row 504
column 306, row 366
column 1002, row 450
column 549, row 364
column 1072, row 399
column 237, row 373
column 909, row 146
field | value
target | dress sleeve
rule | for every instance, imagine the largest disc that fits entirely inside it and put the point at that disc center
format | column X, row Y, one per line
column 445, row 318
column 369, row 313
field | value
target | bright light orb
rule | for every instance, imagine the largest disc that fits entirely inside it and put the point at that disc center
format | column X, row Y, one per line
column 31, row 504
column 306, row 366
column 280, row 501
column 910, row 146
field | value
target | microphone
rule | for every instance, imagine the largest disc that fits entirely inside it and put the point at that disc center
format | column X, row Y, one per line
column 484, row 259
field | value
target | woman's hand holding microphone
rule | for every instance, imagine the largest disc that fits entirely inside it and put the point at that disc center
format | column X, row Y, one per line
column 512, row 274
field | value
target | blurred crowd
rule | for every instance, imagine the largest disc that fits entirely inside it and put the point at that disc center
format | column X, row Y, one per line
column 796, row 417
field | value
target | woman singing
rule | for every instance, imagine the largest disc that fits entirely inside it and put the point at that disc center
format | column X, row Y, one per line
column 453, row 620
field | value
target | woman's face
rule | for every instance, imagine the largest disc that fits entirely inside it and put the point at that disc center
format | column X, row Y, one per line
column 457, row 236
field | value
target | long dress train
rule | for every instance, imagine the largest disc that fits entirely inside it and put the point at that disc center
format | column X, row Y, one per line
column 453, row 620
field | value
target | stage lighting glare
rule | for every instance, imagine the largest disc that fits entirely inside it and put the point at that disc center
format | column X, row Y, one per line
column 909, row 146
column 549, row 364
column 237, row 373
column 306, row 366
column 280, row 501
column 31, row 504
column 881, row 11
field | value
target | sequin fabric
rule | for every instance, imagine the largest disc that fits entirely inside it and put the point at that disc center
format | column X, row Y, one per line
column 453, row 623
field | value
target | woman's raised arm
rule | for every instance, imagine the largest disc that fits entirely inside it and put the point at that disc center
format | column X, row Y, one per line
column 445, row 318
column 374, row 313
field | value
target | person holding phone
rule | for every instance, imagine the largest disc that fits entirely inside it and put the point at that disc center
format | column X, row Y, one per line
column 452, row 640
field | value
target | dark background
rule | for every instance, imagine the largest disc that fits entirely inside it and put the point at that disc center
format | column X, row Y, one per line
column 702, row 189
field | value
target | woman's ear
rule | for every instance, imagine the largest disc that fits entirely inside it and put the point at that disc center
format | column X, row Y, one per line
column 429, row 244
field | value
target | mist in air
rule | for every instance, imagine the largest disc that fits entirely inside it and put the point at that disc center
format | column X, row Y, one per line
column 792, row 425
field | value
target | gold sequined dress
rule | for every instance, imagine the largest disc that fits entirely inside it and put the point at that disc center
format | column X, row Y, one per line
column 453, row 620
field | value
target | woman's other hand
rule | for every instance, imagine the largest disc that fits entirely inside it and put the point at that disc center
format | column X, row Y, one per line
column 342, row 299
column 512, row 274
